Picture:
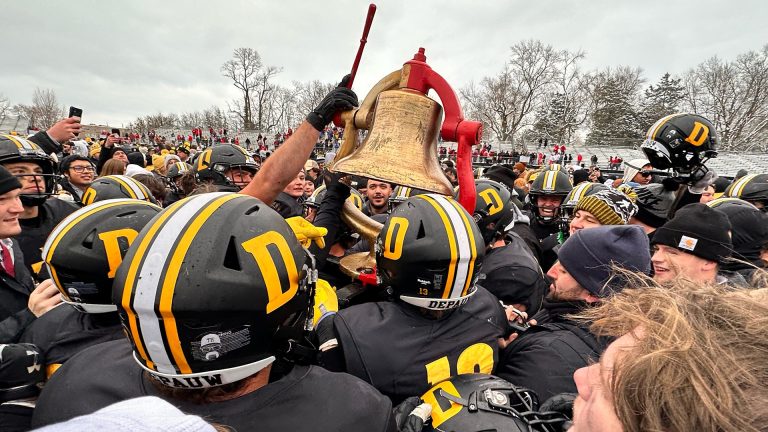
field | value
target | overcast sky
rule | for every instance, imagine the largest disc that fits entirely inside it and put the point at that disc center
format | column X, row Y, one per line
column 118, row 60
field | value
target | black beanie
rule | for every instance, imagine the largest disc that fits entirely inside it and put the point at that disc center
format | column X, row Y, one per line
column 749, row 233
column 8, row 181
column 580, row 176
column 589, row 255
column 699, row 230
column 502, row 174
column 137, row 158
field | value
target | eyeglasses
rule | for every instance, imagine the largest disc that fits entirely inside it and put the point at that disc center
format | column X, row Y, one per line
column 82, row 169
column 645, row 173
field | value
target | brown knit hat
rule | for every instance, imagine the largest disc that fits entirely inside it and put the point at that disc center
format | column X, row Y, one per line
column 610, row 207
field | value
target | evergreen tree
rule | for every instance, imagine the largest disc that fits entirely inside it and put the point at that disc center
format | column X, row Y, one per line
column 615, row 116
column 661, row 100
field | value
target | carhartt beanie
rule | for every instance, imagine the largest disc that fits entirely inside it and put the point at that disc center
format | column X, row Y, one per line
column 699, row 230
column 610, row 207
column 589, row 255
column 8, row 181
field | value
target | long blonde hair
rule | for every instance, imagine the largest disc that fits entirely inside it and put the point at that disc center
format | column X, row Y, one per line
column 700, row 362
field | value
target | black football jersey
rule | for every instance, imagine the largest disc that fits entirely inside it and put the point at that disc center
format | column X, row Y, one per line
column 64, row 331
column 308, row 398
column 403, row 353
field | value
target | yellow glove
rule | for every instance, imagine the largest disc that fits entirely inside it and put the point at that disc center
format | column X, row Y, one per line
column 325, row 300
column 306, row 233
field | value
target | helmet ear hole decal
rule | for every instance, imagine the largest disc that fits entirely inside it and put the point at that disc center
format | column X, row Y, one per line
column 421, row 234
column 231, row 260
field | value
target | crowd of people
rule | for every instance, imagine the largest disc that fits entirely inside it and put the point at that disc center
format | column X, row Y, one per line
column 208, row 286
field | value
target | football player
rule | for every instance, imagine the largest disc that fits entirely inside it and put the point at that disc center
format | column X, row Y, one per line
column 439, row 322
column 216, row 295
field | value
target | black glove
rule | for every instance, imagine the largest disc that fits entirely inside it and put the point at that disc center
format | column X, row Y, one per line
column 561, row 403
column 409, row 415
column 339, row 99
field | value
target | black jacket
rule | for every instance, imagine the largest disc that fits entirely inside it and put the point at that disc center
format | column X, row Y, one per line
column 14, row 296
column 544, row 357
column 35, row 231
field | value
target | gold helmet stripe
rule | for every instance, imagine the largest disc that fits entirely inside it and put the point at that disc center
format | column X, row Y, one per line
column 449, row 280
column 461, row 251
column 167, row 246
column 66, row 225
column 135, row 189
column 738, row 188
column 472, row 247
column 654, row 130
column 131, row 278
column 171, row 277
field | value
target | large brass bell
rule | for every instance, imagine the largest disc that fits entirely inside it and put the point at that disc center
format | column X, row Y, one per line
column 401, row 146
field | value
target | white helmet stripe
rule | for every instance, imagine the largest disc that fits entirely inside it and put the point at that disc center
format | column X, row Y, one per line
column 131, row 183
column 149, row 279
column 462, row 245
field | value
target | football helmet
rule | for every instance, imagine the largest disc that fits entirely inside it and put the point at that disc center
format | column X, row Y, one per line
column 729, row 202
column 314, row 200
column 116, row 186
column 752, row 188
column 22, row 372
column 214, row 289
column 402, row 193
column 580, row 191
column 485, row 403
column 493, row 211
column 212, row 164
column 85, row 249
column 174, row 172
column 551, row 183
column 429, row 252
column 177, row 170
column 680, row 141
column 17, row 149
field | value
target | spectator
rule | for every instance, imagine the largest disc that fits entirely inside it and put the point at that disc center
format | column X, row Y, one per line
column 78, row 173
column 544, row 357
column 666, row 369
column 113, row 167
column 692, row 244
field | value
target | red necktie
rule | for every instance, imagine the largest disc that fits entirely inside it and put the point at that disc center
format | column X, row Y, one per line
column 7, row 261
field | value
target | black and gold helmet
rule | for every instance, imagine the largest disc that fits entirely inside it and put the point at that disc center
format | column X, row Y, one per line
column 493, row 211
column 15, row 149
column 177, row 170
column 551, row 182
column 752, row 188
column 402, row 193
column 215, row 288
column 114, row 187
column 85, row 249
column 680, row 141
column 213, row 163
column 317, row 196
column 429, row 252
column 578, row 192
column 481, row 403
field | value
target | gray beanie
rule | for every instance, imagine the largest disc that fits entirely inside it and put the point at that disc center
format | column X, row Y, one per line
column 589, row 255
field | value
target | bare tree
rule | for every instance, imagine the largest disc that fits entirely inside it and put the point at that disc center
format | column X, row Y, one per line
column 734, row 96
column 44, row 110
column 5, row 105
column 263, row 94
column 506, row 103
column 244, row 69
